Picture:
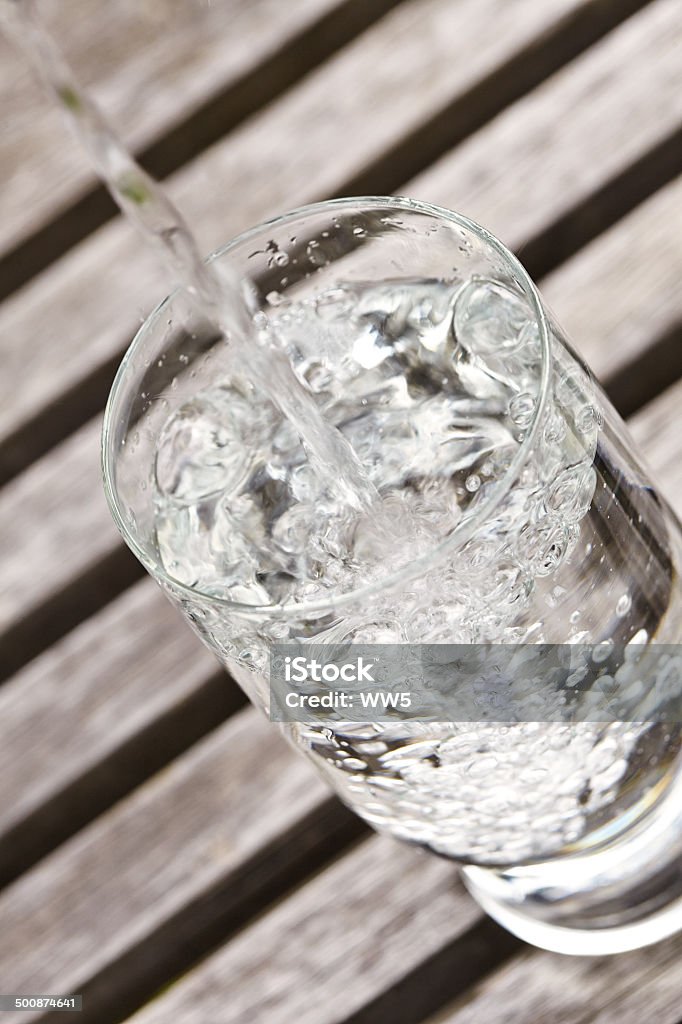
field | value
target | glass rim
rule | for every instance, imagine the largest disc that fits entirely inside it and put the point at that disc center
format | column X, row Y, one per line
column 467, row 526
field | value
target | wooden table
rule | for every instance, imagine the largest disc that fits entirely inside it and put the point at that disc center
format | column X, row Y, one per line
column 162, row 851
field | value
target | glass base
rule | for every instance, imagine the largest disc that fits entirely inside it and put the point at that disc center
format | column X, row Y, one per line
column 625, row 894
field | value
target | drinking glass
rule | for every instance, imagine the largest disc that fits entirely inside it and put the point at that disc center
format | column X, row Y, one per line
column 568, row 830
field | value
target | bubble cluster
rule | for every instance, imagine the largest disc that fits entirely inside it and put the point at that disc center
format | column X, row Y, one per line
column 485, row 792
column 436, row 386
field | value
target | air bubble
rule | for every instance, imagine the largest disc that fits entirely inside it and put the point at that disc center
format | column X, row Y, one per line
column 316, row 255
column 601, row 652
column 571, row 494
column 473, row 483
column 521, row 409
column 555, row 431
column 587, row 420
column 489, row 319
column 543, row 547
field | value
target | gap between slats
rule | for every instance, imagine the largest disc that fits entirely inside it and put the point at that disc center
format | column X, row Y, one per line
column 537, row 985
column 447, row 974
column 548, row 249
column 452, row 970
column 216, row 117
column 512, row 80
column 312, row 845
column 142, row 755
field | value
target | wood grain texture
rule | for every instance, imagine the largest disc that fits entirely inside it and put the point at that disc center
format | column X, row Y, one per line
column 393, row 905
column 77, row 316
column 345, row 936
column 545, row 155
column 657, row 996
column 53, row 524
column 200, row 821
column 656, row 430
column 554, row 989
column 640, row 261
column 119, row 666
column 150, row 64
column 122, row 680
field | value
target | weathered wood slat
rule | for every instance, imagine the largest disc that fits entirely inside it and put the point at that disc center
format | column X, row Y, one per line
column 202, row 826
column 36, row 516
column 384, row 890
column 328, row 950
column 548, row 153
column 54, row 527
column 322, row 134
column 656, row 997
column 97, row 712
column 174, row 61
column 653, row 421
column 613, row 298
column 150, row 65
column 576, row 990
column 620, row 295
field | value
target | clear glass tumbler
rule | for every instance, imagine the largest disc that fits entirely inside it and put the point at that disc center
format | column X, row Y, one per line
column 513, row 509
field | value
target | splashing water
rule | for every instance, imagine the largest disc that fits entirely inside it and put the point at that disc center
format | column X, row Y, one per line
column 227, row 301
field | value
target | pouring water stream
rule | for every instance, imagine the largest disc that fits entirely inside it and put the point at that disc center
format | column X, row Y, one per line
column 228, row 302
